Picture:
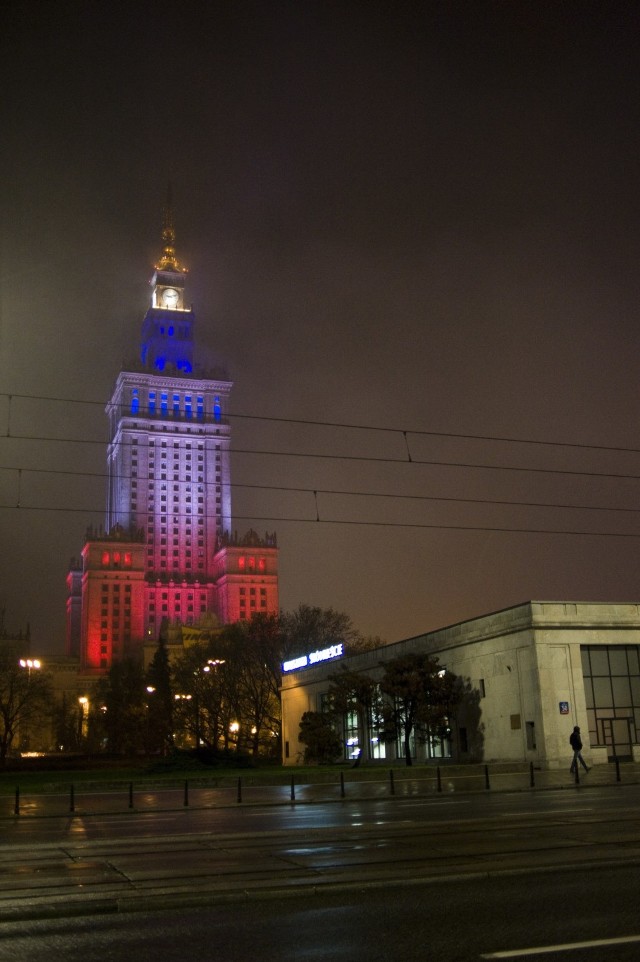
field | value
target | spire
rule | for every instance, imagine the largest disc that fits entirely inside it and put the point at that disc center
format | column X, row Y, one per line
column 168, row 261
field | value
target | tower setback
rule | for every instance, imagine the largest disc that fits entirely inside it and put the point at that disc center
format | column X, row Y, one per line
column 166, row 554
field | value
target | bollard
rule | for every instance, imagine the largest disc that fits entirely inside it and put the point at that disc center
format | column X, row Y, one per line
column 392, row 786
column 130, row 794
column 438, row 779
column 16, row 807
column 239, row 789
column 293, row 790
column 617, row 761
column 186, row 792
column 72, row 799
column 341, row 784
column 532, row 778
column 487, row 783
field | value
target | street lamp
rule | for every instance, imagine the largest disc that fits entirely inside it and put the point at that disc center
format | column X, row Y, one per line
column 30, row 664
column 182, row 698
column 83, row 720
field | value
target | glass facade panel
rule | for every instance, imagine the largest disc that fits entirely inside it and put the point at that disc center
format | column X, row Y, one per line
column 613, row 693
column 602, row 694
column 588, row 692
column 586, row 667
column 599, row 661
column 352, row 747
column 618, row 661
column 375, row 721
column 621, row 691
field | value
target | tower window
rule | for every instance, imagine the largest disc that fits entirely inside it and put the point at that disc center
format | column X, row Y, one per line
column 135, row 401
column 217, row 410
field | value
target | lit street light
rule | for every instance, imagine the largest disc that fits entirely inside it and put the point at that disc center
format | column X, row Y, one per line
column 83, row 720
column 30, row 664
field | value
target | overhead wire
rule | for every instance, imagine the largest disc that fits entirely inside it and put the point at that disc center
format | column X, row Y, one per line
column 338, row 492
column 358, row 458
column 309, row 422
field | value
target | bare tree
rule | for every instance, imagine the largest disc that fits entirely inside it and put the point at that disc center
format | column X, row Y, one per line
column 25, row 699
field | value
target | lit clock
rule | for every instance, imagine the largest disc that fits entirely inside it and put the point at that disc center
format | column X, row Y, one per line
column 170, row 297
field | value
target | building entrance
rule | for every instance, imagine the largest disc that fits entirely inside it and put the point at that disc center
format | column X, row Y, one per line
column 611, row 675
column 616, row 735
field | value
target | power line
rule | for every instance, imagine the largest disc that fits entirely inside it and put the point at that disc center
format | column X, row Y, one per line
column 376, row 524
column 358, row 458
column 307, row 422
column 339, row 492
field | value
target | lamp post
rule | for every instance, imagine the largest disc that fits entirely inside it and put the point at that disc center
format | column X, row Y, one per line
column 181, row 698
column 83, row 717
column 30, row 664
column 212, row 665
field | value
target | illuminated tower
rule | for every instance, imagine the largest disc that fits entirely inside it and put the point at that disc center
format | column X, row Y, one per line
column 167, row 545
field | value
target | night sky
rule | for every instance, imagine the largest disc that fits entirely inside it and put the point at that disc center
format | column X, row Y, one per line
column 422, row 217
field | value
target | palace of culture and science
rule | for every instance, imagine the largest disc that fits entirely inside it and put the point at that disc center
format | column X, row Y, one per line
column 166, row 556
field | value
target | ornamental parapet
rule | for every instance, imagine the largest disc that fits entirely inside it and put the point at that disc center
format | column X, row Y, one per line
column 117, row 533
column 249, row 540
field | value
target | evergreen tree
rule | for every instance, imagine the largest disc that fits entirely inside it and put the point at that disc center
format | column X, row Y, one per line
column 121, row 701
column 317, row 732
column 160, row 702
column 421, row 699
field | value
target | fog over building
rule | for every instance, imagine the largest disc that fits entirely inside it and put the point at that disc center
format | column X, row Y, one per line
column 167, row 553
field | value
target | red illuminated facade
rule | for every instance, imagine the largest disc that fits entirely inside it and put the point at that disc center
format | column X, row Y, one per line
column 167, row 555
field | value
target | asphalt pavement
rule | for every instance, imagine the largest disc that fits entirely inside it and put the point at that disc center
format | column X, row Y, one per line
column 137, row 861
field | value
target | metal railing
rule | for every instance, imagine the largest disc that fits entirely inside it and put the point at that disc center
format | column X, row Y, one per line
column 326, row 786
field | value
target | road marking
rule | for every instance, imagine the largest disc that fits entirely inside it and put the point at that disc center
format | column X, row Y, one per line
column 566, row 947
column 546, row 813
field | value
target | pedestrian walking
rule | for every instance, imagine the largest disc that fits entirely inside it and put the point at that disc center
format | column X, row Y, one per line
column 576, row 743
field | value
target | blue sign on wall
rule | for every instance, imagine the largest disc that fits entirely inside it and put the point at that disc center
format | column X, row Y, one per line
column 564, row 707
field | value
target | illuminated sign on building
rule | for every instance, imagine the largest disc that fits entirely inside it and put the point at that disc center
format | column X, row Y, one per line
column 305, row 661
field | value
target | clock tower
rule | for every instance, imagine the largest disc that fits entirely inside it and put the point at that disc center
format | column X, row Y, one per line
column 167, row 330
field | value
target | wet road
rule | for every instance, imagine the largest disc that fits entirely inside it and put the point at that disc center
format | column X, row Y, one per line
column 191, row 857
column 543, row 917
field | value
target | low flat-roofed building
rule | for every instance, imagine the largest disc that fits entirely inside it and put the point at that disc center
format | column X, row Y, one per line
column 535, row 670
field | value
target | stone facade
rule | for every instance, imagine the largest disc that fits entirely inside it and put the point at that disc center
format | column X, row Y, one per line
column 526, row 666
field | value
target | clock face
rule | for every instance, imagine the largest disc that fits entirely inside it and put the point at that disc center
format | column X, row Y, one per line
column 170, row 297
